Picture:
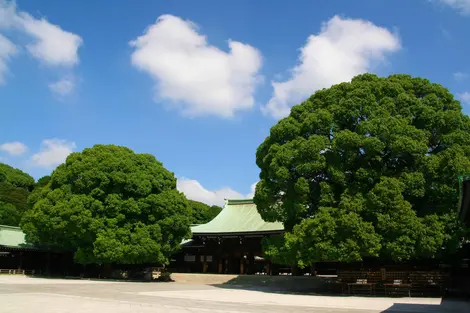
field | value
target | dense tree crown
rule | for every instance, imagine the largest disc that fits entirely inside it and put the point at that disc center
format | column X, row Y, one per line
column 203, row 213
column 110, row 205
column 15, row 187
column 366, row 168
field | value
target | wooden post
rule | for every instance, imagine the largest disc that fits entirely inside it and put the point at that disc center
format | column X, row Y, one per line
column 220, row 269
column 204, row 264
column 268, row 268
column 242, row 265
column 20, row 264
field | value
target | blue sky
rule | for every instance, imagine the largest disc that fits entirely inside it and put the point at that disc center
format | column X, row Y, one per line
column 199, row 83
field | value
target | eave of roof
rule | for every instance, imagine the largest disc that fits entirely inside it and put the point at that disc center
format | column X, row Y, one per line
column 238, row 217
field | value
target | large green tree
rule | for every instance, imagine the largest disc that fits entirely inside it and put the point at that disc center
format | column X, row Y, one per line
column 366, row 169
column 15, row 186
column 203, row 213
column 110, row 205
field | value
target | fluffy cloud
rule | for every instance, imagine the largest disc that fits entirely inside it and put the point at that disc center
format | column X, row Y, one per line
column 50, row 44
column 7, row 50
column 63, row 86
column 53, row 45
column 52, row 153
column 197, row 78
column 15, row 148
column 464, row 97
column 463, row 6
column 343, row 49
column 195, row 191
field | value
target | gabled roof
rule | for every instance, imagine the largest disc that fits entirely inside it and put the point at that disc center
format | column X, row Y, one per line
column 11, row 237
column 238, row 217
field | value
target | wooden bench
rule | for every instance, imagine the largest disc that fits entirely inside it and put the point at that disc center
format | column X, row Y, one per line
column 361, row 283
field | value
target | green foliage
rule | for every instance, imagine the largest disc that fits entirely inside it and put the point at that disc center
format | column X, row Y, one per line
column 39, row 188
column 367, row 168
column 15, row 187
column 202, row 213
column 110, row 205
column 9, row 215
column 16, row 177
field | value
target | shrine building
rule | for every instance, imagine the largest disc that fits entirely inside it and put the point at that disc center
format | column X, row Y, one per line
column 229, row 244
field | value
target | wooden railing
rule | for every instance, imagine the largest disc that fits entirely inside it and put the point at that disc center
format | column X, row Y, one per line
column 16, row 272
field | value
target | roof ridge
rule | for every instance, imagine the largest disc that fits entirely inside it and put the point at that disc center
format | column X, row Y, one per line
column 239, row 201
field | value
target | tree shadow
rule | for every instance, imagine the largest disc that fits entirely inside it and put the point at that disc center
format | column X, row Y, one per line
column 300, row 285
column 445, row 306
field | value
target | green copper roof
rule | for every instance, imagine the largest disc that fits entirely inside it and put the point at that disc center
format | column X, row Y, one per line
column 11, row 237
column 238, row 216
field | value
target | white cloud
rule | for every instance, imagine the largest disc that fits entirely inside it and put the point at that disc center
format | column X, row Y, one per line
column 252, row 191
column 53, row 45
column 195, row 191
column 464, row 97
column 52, row 153
column 343, row 49
column 63, row 87
column 15, row 148
column 7, row 50
column 460, row 76
column 197, row 78
column 463, row 6
column 50, row 44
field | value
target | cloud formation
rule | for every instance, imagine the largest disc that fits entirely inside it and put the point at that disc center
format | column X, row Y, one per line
column 342, row 49
column 7, row 50
column 49, row 43
column 14, row 148
column 63, row 87
column 197, row 78
column 195, row 191
column 460, row 76
column 463, row 6
column 464, row 97
column 52, row 153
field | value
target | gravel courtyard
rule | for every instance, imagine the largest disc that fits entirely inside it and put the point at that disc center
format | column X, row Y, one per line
column 23, row 294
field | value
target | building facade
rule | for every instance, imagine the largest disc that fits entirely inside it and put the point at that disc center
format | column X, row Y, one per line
column 230, row 243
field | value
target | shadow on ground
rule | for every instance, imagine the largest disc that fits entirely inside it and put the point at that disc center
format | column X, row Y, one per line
column 279, row 284
column 446, row 306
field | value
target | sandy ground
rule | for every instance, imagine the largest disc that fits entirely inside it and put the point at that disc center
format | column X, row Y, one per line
column 23, row 294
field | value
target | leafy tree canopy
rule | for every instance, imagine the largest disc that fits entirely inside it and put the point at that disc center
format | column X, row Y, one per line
column 16, row 177
column 15, row 186
column 110, row 205
column 366, row 168
column 203, row 213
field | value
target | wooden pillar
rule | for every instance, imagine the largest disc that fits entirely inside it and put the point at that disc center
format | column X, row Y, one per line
column 221, row 266
column 242, row 265
column 204, row 264
column 268, row 268
column 20, row 264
